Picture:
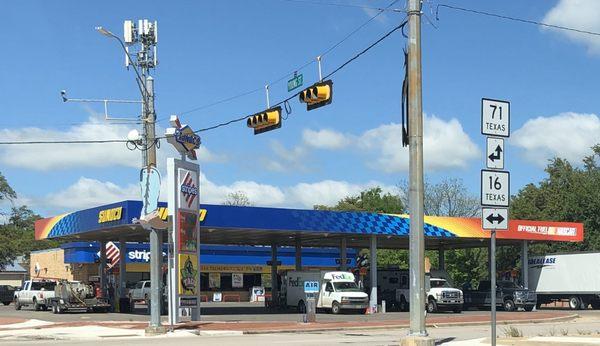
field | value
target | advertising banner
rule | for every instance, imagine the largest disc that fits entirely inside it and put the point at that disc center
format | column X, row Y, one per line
column 188, row 232
column 214, row 280
column 237, row 280
column 188, row 275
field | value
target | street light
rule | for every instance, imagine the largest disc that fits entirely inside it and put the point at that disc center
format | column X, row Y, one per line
column 140, row 81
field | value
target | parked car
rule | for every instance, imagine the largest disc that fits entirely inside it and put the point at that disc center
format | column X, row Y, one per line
column 7, row 294
column 509, row 296
column 36, row 293
column 574, row 277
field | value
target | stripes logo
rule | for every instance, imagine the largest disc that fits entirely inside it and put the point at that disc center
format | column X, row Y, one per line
column 189, row 189
column 112, row 254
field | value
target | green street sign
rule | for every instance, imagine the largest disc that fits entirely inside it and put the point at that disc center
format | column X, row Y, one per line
column 295, row 82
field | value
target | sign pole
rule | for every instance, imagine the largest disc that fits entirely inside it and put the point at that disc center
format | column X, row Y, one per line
column 493, row 284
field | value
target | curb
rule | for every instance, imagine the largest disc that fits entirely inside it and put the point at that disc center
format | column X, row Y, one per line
column 406, row 325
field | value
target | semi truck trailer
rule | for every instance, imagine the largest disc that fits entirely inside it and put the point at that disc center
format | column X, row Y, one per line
column 574, row 277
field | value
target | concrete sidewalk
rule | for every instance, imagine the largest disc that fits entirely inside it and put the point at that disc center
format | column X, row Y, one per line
column 532, row 341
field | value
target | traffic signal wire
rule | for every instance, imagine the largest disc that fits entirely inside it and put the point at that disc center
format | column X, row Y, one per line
column 401, row 26
column 521, row 20
column 229, row 122
column 300, row 68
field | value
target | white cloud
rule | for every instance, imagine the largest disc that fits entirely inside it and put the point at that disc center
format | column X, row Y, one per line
column 566, row 135
column 63, row 156
column 445, row 146
column 285, row 159
column 325, row 139
column 578, row 14
column 87, row 192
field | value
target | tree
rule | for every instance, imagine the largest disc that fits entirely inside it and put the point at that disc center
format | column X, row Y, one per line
column 371, row 200
column 237, row 198
column 374, row 200
column 17, row 235
column 449, row 197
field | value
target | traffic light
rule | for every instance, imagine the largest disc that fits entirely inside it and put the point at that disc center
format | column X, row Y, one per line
column 265, row 121
column 317, row 95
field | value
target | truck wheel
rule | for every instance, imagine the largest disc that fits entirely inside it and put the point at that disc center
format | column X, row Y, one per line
column 5, row 303
column 44, row 307
column 457, row 311
column 335, row 308
column 574, row 303
column 509, row 305
column 36, row 306
column 301, row 307
column 59, row 309
column 529, row 307
column 595, row 304
column 431, row 306
column 17, row 305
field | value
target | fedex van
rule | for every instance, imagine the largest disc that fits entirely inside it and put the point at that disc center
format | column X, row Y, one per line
column 337, row 291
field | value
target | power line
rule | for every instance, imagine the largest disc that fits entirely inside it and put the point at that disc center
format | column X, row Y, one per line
column 99, row 141
column 327, row 76
column 308, row 63
column 528, row 21
column 229, row 122
column 342, row 5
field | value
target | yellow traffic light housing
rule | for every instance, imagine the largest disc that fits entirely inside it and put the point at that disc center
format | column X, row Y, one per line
column 317, row 95
column 265, row 121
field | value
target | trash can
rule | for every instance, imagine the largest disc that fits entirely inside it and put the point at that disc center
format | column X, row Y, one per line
column 124, row 305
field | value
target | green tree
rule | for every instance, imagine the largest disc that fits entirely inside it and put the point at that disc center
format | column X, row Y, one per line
column 374, row 200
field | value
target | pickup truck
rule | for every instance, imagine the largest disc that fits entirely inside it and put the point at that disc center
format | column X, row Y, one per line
column 509, row 296
column 35, row 293
column 7, row 294
column 141, row 292
column 442, row 296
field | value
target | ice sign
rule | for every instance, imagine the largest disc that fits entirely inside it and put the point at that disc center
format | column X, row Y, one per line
column 311, row 286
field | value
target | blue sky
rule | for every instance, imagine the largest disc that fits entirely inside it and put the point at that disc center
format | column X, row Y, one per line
column 210, row 50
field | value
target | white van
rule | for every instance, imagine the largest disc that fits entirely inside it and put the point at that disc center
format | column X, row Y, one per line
column 337, row 291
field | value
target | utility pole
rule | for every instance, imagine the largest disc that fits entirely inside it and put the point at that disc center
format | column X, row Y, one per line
column 417, row 333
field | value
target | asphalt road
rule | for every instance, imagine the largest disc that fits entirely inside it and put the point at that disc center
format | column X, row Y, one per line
column 231, row 312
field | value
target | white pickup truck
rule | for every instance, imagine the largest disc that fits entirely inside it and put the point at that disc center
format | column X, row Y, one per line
column 36, row 293
column 140, row 293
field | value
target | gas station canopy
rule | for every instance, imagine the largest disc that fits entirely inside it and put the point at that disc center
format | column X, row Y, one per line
column 233, row 225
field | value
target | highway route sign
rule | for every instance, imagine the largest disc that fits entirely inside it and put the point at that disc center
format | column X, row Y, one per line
column 311, row 286
column 495, row 188
column 494, row 153
column 495, row 117
column 494, row 218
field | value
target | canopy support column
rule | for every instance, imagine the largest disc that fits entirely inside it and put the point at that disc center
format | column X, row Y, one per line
column 373, row 272
column 102, row 268
column 274, row 288
column 343, row 254
column 441, row 258
column 524, row 264
column 298, row 253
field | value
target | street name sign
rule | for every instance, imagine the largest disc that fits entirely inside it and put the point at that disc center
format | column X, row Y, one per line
column 311, row 286
column 495, row 188
column 495, row 117
column 295, row 82
column 494, row 153
column 494, row 218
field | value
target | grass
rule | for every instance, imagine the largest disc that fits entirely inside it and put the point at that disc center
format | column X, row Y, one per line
column 513, row 332
column 564, row 332
column 584, row 332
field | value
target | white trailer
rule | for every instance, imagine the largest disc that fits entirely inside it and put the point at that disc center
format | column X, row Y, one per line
column 337, row 291
column 574, row 277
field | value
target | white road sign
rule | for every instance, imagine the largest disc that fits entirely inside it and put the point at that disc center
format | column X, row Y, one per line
column 494, row 153
column 495, row 117
column 494, row 218
column 495, row 189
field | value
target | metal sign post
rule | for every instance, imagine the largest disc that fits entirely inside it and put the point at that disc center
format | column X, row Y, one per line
column 311, row 289
column 495, row 184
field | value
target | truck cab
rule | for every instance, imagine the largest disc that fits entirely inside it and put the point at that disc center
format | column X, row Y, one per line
column 509, row 296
